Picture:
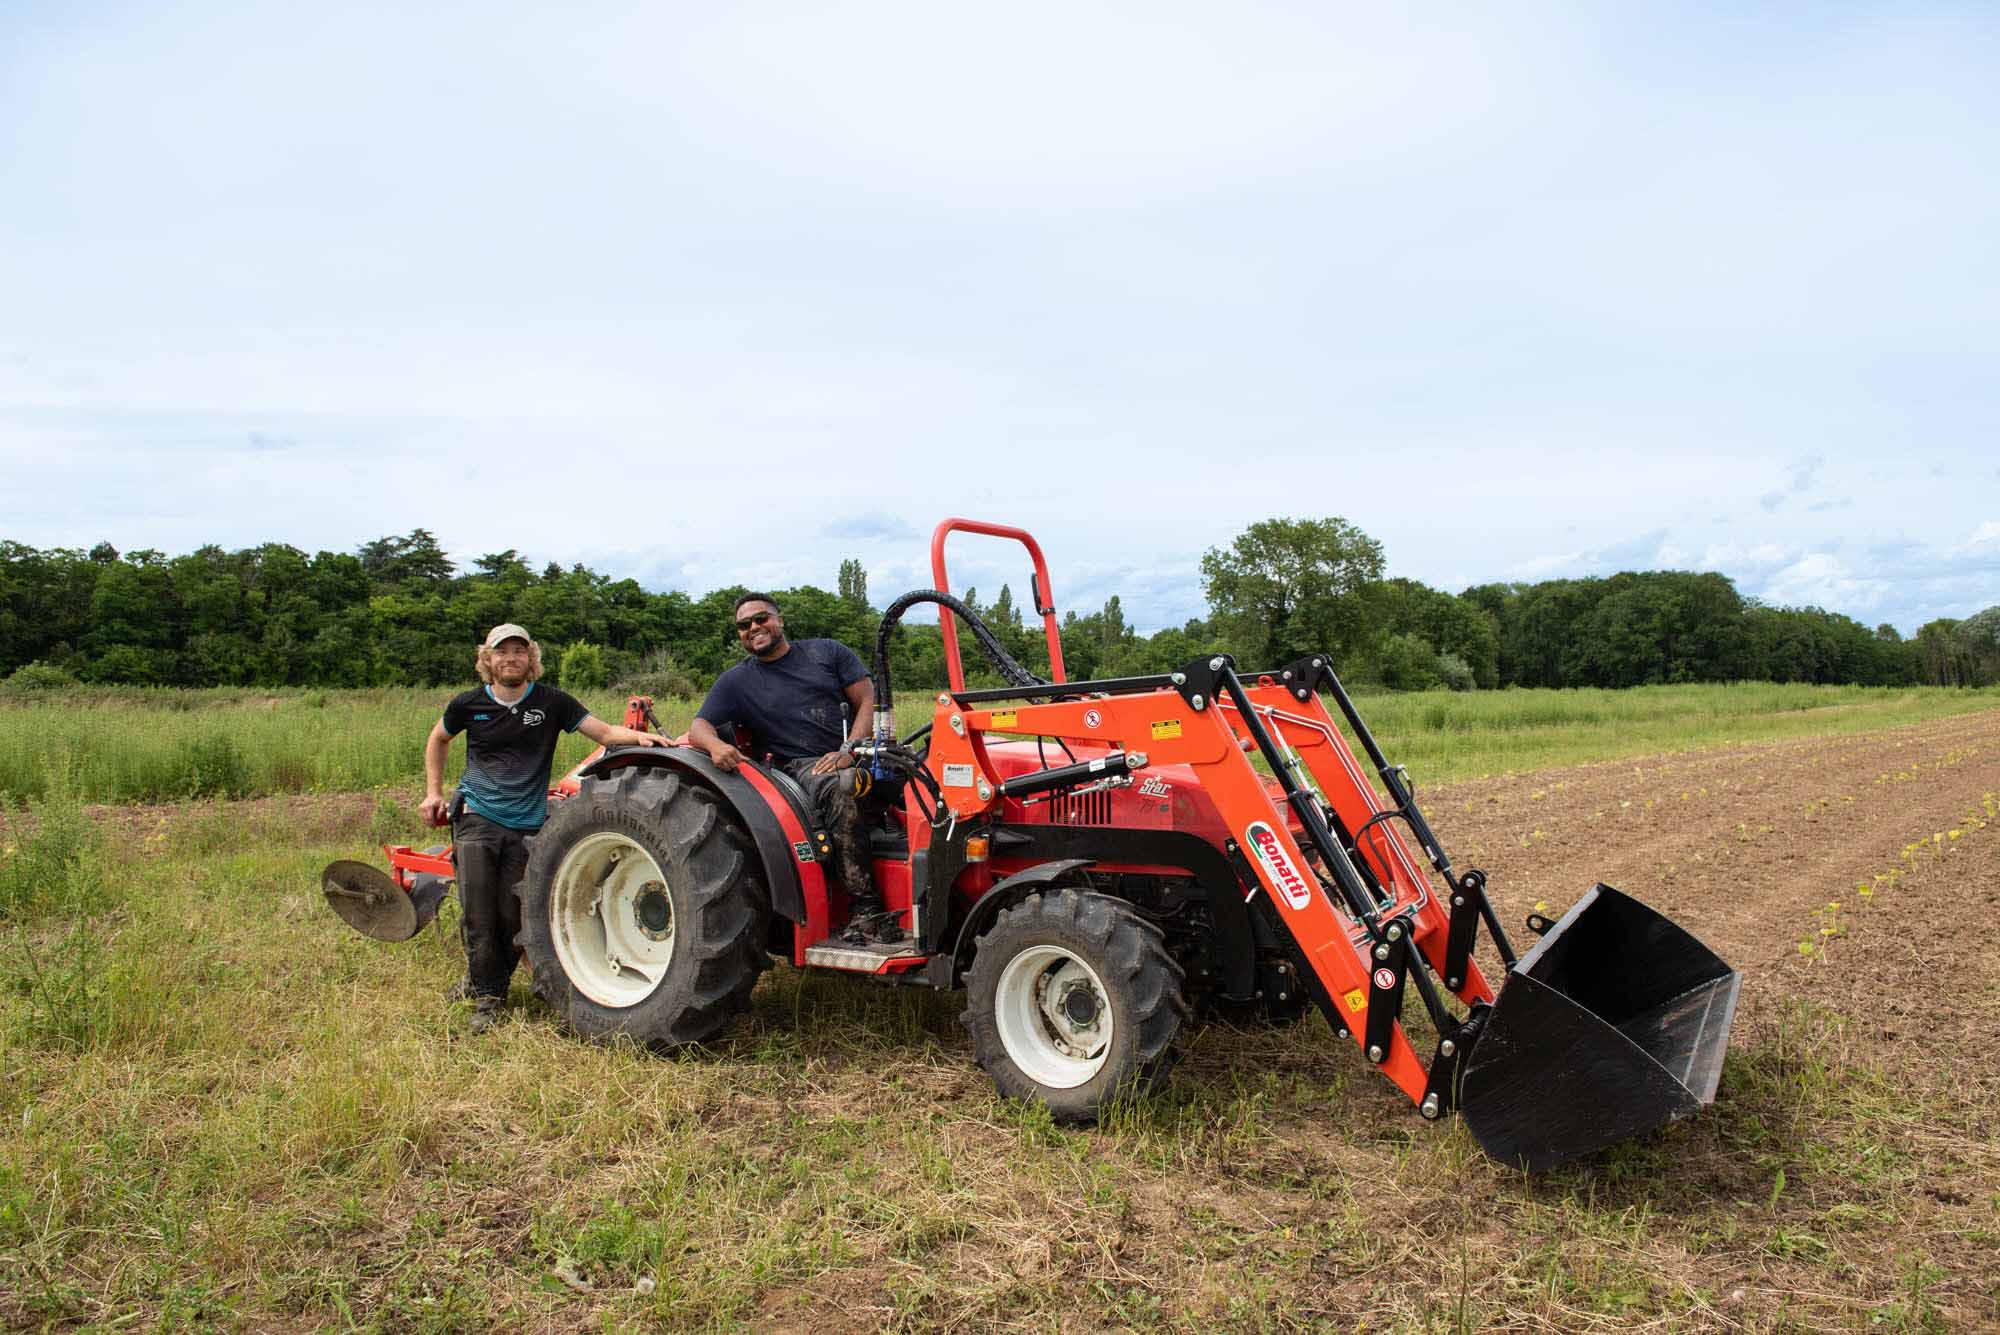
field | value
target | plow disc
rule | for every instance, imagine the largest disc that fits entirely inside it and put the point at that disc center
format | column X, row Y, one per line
column 370, row 901
column 1614, row 1024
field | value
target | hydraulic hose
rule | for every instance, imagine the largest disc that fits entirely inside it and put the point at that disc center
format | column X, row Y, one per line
column 989, row 644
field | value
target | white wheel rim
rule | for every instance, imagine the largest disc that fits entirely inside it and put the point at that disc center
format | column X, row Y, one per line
column 1043, row 995
column 612, row 918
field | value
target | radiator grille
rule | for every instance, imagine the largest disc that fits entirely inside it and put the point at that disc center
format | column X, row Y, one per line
column 1089, row 809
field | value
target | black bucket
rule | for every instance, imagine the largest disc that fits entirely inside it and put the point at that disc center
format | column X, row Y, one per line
column 1614, row 1024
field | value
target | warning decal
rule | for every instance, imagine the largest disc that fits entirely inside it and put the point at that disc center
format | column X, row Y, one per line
column 1357, row 1001
column 1166, row 729
column 1003, row 718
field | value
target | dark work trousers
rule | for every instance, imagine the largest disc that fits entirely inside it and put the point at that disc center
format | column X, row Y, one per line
column 832, row 797
column 490, row 860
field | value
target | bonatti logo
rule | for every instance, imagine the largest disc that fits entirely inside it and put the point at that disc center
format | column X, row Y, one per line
column 1263, row 841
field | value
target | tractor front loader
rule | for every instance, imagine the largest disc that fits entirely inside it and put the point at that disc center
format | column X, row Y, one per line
column 1099, row 864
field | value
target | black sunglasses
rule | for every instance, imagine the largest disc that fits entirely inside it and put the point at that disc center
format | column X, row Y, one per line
column 754, row 619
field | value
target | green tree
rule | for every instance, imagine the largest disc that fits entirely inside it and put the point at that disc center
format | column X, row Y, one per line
column 853, row 582
column 1980, row 633
column 415, row 557
column 583, row 667
column 1287, row 587
column 1453, row 626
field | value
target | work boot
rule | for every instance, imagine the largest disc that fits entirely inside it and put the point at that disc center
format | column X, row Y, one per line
column 880, row 927
column 486, row 1013
column 887, row 928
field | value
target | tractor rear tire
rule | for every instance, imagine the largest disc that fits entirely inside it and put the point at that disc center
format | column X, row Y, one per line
column 1073, row 1002
column 643, row 910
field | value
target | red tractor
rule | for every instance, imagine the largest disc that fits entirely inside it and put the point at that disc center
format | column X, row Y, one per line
column 1100, row 864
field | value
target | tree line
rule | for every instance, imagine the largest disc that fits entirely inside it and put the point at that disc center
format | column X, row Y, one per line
column 398, row 611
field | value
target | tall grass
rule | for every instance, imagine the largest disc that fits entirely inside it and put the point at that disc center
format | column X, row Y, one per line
column 140, row 745
column 163, row 745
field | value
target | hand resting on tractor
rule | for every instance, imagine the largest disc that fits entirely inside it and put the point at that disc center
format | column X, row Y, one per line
column 832, row 761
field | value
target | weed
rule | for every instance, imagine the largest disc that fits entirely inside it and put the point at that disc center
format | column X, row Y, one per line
column 1829, row 925
column 49, row 861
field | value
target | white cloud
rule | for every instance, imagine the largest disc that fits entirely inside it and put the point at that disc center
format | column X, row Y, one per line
column 1726, row 556
column 1557, row 291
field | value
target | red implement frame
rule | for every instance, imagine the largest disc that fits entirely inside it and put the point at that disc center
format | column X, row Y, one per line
column 1045, row 597
column 1171, row 731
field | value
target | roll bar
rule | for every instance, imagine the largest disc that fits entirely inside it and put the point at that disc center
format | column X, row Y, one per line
column 1044, row 601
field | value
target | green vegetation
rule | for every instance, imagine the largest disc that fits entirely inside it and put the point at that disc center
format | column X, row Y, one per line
column 397, row 612
column 1442, row 737
column 158, row 745
column 220, row 1109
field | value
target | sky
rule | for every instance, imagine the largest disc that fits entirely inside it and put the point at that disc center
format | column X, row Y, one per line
column 712, row 294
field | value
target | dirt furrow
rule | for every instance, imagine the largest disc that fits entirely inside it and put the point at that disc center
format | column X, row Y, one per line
column 1746, row 846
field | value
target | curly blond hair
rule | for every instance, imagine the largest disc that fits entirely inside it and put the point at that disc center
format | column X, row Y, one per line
column 484, row 663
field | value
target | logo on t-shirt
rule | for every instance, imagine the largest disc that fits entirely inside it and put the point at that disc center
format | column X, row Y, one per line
column 532, row 718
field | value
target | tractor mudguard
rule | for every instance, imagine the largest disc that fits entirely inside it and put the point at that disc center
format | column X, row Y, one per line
column 1003, row 894
column 774, row 850
column 1614, row 1024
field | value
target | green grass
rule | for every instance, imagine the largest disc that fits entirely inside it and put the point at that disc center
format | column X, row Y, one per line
column 160, row 745
column 220, row 1109
column 253, row 1118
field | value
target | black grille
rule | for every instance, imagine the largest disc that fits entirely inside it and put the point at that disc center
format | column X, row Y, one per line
column 1088, row 809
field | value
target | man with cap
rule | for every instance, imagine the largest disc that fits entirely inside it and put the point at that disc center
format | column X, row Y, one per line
column 510, row 724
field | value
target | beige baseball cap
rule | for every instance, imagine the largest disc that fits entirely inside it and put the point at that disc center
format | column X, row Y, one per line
column 506, row 630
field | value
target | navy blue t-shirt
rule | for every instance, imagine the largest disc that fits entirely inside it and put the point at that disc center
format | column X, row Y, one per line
column 508, row 750
column 792, row 707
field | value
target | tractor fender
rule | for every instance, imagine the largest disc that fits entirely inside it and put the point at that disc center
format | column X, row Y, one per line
column 774, row 849
column 1005, row 894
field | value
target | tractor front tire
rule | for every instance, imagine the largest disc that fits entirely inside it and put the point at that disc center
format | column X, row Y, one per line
column 1072, row 1002
column 642, row 910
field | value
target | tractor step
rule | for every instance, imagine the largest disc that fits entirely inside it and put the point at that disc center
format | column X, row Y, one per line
column 873, row 958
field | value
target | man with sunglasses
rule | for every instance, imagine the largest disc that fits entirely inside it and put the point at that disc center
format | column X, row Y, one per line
column 789, row 694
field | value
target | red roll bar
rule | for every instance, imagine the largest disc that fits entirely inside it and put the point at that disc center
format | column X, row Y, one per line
column 1043, row 598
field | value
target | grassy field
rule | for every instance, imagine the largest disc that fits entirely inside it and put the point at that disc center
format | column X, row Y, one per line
column 160, row 746
column 220, row 1109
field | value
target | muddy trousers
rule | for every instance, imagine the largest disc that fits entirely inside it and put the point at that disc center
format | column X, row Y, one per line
column 832, row 798
column 490, row 860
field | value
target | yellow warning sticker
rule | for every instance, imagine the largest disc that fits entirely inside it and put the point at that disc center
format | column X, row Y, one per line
column 1357, row 1001
column 1166, row 728
column 1003, row 718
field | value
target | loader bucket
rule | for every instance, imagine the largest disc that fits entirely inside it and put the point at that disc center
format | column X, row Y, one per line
column 369, row 901
column 1614, row 1024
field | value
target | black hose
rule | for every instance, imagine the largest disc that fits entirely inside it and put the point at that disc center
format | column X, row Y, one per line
column 996, row 653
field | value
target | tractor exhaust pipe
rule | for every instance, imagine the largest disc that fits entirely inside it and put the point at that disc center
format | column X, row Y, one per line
column 1613, row 1025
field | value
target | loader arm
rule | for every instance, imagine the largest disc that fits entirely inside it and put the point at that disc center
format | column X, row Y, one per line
column 1352, row 927
column 1617, row 1021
